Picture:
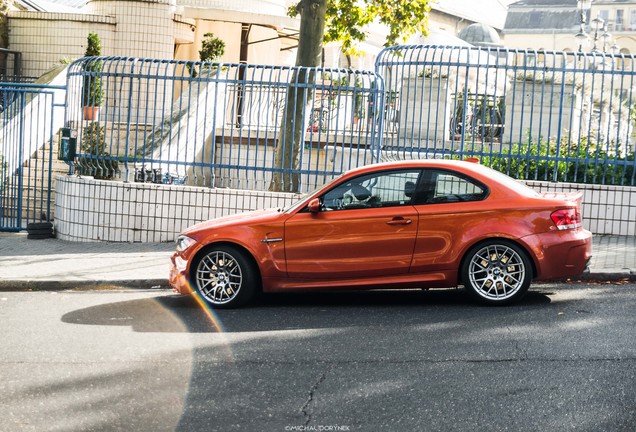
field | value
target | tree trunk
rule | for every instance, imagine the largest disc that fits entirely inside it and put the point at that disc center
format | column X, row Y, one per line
column 299, row 95
column 4, row 39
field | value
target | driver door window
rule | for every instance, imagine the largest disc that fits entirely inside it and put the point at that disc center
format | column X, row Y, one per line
column 386, row 189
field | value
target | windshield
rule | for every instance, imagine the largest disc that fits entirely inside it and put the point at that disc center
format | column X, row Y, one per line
column 303, row 198
column 290, row 208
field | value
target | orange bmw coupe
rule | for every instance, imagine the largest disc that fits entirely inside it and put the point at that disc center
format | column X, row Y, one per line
column 409, row 224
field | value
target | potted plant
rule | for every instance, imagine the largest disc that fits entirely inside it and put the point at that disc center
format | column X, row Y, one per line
column 92, row 92
column 212, row 48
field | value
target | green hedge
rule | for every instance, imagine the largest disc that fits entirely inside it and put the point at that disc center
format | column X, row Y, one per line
column 576, row 163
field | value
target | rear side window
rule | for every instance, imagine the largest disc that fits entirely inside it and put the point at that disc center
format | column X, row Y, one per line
column 450, row 187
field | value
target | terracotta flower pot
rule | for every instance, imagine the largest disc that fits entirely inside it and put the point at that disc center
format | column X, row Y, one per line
column 91, row 113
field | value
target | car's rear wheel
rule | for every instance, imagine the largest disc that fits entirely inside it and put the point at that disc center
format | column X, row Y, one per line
column 497, row 272
column 224, row 276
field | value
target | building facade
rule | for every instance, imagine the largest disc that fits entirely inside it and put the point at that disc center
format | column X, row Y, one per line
column 254, row 31
column 163, row 29
column 561, row 25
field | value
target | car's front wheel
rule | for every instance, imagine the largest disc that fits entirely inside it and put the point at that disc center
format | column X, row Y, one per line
column 224, row 276
column 497, row 272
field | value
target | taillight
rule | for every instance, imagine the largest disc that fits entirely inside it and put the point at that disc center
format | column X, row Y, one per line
column 566, row 219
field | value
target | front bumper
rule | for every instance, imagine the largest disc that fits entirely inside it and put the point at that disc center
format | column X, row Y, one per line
column 178, row 275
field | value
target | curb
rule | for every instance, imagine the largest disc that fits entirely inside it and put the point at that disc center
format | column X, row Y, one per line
column 622, row 275
column 56, row 285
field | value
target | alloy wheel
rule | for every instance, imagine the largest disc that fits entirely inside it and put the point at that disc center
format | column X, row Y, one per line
column 219, row 277
column 497, row 272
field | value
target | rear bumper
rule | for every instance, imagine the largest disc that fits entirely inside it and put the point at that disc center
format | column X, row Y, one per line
column 561, row 254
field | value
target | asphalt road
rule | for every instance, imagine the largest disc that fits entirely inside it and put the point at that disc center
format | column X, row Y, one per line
column 564, row 359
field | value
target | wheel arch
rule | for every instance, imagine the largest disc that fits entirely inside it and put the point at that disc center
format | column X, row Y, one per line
column 246, row 252
column 483, row 241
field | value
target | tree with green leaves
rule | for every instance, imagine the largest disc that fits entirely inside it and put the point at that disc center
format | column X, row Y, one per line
column 344, row 21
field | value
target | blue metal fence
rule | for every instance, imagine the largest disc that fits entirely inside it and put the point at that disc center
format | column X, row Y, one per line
column 220, row 125
column 538, row 115
column 29, row 116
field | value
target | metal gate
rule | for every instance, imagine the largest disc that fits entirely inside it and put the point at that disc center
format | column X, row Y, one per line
column 30, row 116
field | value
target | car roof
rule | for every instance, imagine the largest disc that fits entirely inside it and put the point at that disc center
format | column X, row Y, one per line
column 480, row 172
column 463, row 166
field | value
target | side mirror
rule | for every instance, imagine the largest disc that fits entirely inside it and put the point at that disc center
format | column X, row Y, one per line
column 314, row 205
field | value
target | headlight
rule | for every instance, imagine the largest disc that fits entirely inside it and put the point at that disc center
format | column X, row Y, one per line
column 184, row 242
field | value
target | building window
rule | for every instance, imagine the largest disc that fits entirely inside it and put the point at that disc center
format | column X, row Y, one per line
column 632, row 19
column 620, row 21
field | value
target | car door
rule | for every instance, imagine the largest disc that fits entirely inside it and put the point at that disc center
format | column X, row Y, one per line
column 450, row 210
column 367, row 228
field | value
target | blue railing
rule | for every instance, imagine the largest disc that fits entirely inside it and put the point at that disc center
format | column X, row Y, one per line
column 29, row 116
column 538, row 115
column 213, row 124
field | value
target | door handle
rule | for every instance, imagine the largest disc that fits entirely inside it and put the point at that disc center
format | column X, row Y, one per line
column 272, row 240
column 399, row 221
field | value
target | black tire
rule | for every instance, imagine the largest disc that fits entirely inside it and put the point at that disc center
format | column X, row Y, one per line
column 40, row 236
column 496, row 272
column 39, row 230
column 224, row 276
column 36, row 226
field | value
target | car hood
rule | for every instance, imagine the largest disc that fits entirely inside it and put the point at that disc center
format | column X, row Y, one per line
column 251, row 217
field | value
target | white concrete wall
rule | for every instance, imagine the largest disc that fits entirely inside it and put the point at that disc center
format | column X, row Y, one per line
column 543, row 111
column 269, row 7
column 145, row 28
column 138, row 28
column 99, row 210
column 425, row 112
column 268, row 52
column 46, row 38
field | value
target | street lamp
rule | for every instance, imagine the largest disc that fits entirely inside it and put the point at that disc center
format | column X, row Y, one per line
column 615, row 49
column 597, row 25
column 598, row 28
column 583, row 6
column 581, row 37
column 601, row 33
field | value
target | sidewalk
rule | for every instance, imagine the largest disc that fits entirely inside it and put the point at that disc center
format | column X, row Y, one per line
column 55, row 264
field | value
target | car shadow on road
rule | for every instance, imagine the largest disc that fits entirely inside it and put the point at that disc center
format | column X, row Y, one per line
column 285, row 311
